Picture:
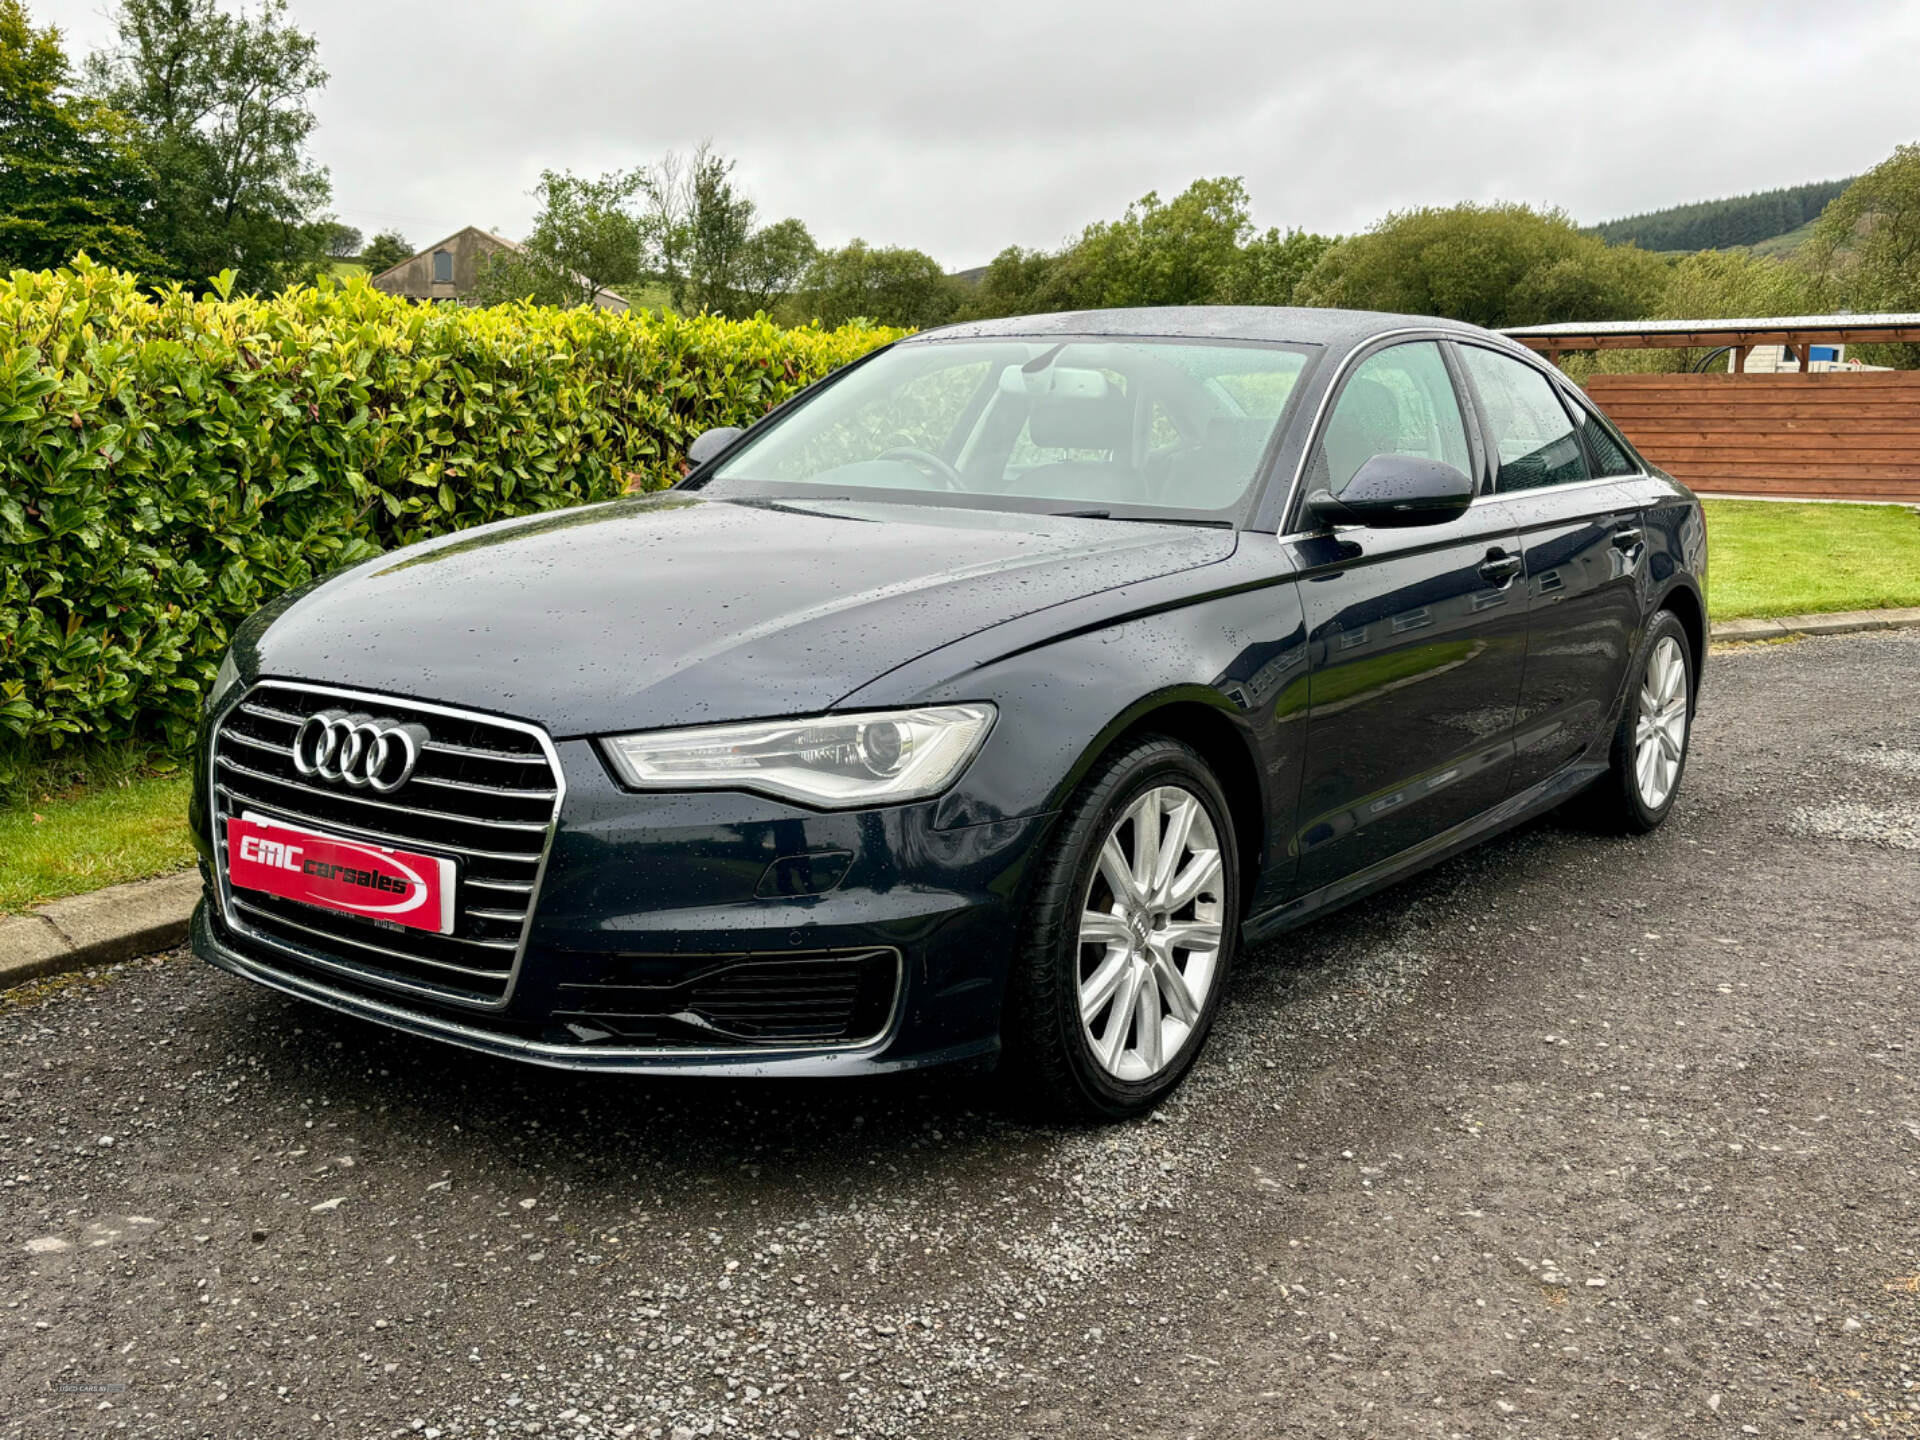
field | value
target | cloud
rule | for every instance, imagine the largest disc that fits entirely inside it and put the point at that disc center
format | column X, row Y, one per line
column 961, row 129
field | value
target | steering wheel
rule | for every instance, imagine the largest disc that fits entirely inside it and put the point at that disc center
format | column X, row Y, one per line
column 928, row 463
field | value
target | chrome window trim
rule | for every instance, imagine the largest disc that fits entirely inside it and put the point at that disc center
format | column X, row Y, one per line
column 1367, row 347
column 1592, row 482
column 306, row 957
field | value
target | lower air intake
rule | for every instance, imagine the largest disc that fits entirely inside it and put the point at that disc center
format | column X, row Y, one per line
column 835, row 998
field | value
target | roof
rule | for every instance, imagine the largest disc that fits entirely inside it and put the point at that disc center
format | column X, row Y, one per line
column 499, row 240
column 1297, row 325
column 491, row 238
column 1668, row 334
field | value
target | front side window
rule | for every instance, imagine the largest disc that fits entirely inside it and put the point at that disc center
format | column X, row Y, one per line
column 443, row 267
column 1159, row 426
column 1397, row 402
column 1533, row 436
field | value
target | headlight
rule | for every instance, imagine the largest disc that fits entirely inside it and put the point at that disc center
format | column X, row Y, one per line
column 224, row 680
column 832, row 762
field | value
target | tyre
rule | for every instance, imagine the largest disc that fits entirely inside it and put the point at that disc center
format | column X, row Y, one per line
column 1129, row 938
column 1649, row 753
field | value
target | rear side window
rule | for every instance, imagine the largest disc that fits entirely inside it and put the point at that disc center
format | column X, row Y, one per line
column 1397, row 402
column 1533, row 435
column 1608, row 452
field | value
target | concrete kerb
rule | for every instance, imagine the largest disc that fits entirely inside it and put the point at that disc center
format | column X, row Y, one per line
column 121, row 922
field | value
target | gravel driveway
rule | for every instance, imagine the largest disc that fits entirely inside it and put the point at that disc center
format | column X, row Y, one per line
column 1573, row 1136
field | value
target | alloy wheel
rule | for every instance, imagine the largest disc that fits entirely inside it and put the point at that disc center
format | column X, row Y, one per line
column 1660, row 735
column 1150, row 933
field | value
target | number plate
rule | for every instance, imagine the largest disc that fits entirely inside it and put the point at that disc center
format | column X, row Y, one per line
column 399, row 887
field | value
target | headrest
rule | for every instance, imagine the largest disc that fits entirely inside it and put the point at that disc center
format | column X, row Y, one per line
column 1225, row 432
column 1366, row 423
column 1367, row 408
column 1072, row 422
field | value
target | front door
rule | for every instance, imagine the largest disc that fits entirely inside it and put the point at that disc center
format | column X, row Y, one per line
column 1416, row 636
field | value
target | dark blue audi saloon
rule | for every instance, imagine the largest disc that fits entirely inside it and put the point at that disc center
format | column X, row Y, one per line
column 978, row 704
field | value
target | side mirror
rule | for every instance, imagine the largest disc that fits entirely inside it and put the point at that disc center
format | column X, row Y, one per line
column 1395, row 490
column 709, row 443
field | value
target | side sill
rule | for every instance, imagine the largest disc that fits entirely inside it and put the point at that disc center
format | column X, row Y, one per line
column 1515, row 809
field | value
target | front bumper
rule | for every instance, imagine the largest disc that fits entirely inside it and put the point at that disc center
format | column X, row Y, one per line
column 213, row 944
column 646, row 893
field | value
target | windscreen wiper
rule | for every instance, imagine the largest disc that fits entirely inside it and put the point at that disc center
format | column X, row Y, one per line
column 1143, row 519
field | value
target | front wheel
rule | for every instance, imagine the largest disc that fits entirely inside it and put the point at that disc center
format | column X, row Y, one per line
column 1129, row 939
column 1649, row 752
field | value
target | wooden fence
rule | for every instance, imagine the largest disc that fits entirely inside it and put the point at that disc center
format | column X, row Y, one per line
column 1844, row 435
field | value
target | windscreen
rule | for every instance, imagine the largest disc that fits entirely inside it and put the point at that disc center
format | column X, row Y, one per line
column 1147, row 426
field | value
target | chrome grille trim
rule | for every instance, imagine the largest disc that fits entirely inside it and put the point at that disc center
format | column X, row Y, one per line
column 442, row 747
column 257, row 743
column 331, row 939
column 467, row 787
column 361, row 832
column 509, row 887
column 530, row 826
column 267, row 712
column 550, row 791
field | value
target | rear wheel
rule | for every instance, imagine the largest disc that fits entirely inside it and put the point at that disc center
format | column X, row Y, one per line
column 1649, row 752
column 1130, row 937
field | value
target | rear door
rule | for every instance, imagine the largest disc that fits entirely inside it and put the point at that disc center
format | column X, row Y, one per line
column 1416, row 636
column 1581, row 538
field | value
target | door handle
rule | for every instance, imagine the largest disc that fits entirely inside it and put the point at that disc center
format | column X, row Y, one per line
column 1499, row 567
column 1628, row 537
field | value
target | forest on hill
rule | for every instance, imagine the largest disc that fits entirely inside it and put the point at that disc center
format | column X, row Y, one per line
column 1723, row 224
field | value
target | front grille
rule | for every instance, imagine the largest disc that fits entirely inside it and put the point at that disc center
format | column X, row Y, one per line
column 822, row 998
column 485, row 793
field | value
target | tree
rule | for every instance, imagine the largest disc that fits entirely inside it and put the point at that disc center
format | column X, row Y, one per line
column 384, row 251
column 1021, row 282
column 888, row 286
column 1491, row 265
column 1184, row 251
column 1272, row 265
column 1866, row 247
column 70, row 180
column 666, row 231
column 585, row 239
column 224, row 104
column 343, row 242
column 1720, row 224
column 1733, row 285
column 1198, row 248
column 701, row 243
column 772, row 265
column 720, row 226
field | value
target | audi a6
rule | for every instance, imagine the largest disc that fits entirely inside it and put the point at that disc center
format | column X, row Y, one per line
column 977, row 704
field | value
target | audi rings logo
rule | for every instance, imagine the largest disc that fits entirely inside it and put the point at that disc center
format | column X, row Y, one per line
column 365, row 751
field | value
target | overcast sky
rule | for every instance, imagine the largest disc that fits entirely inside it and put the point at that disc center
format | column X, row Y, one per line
column 960, row 129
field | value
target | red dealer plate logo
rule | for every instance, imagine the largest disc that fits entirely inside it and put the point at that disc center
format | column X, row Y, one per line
column 374, row 881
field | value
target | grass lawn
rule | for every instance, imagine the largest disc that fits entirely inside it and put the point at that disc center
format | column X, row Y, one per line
column 69, row 844
column 1770, row 558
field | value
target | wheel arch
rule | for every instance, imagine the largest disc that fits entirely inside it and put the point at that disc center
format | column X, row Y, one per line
column 1203, row 722
column 1686, row 606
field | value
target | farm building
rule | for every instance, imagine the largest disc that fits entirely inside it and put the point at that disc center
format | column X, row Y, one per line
column 449, row 270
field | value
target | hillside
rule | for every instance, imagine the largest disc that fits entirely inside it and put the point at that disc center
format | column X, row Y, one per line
column 1784, row 244
column 1723, row 224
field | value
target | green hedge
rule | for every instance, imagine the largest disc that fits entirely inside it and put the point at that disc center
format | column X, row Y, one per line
column 168, row 463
